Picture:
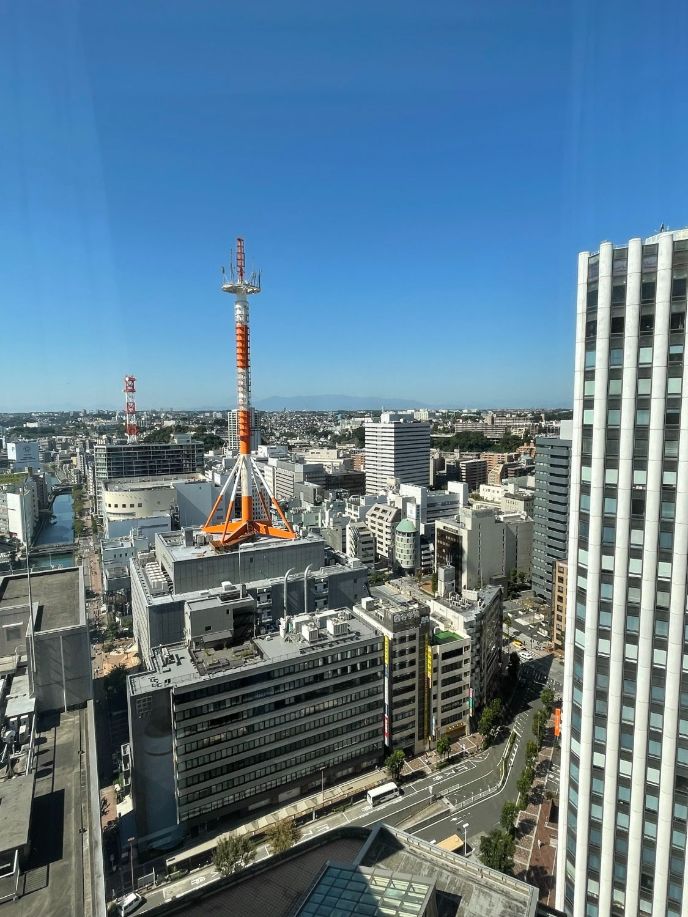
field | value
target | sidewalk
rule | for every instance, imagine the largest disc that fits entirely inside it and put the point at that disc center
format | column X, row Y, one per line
column 427, row 764
column 536, row 829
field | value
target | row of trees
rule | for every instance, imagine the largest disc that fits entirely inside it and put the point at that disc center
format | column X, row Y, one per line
column 497, row 848
column 233, row 853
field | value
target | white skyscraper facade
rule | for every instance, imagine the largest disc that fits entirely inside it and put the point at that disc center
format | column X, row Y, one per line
column 624, row 773
column 398, row 447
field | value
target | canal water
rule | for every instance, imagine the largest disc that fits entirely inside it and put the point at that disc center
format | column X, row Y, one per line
column 61, row 531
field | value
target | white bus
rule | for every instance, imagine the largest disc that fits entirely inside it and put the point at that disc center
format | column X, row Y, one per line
column 382, row 793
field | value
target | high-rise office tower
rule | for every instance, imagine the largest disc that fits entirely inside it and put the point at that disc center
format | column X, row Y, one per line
column 233, row 430
column 398, row 447
column 550, row 507
column 624, row 774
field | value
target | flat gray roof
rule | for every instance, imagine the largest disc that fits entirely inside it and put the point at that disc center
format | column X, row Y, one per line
column 15, row 811
column 56, row 592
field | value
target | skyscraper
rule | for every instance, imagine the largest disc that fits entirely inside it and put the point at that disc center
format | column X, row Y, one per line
column 624, row 775
column 550, row 507
column 398, row 447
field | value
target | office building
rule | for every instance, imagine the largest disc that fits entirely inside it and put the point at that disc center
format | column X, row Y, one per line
column 227, row 722
column 23, row 454
column 396, row 449
column 550, row 508
column 233, row 430
column 182, row 456
column 382, row 520
column 427, row 673
column 473, row 473
column 624, row 773
column 406, row 547
column 360, row 543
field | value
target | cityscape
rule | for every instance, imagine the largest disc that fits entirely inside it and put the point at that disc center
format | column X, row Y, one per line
column 418, row 649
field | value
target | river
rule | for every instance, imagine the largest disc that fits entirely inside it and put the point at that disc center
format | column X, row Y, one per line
column 59, row 532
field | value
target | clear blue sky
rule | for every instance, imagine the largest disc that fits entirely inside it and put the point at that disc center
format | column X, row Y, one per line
column 414, row 180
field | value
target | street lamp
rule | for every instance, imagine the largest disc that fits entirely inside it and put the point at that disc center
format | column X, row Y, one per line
column 465, row 838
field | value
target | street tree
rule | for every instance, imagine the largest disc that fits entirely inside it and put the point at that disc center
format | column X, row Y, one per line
column 508, row 816
column 233, row 853
column 497, row 850
column 531, row 751
column 539, row 724
column 547, row 698
column 443, row 746
column 523, row 785
column 395, row 763
column 490, row 720
column 282, row 835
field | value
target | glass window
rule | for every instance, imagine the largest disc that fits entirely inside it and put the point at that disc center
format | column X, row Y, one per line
column 611, row 476
column 635, row 566
column 647, row 291
column 591, row 328
column 639, row 477
column 615, row 386
column 610, row 506
column 644, row 356
column 678, row 321
column 669, row 478
column 678, row 287
column 613, row 418
column 664, row 569
column 588, row 414
column 644, row 386
column 590, row 358
column 592, row 298
column 675, row 353
column 668, row 510
column 674, row 385
column 589, row 387
column 637, row 537
column 619, row 294
column 616, row 356
column 617, row 324
column 586, row 473
column 642, row 418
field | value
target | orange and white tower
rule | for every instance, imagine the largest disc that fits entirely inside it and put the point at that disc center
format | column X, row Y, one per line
column 130, row 425
column 245, row 471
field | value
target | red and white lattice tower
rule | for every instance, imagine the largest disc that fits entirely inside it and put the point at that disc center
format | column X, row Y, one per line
column 130, row 425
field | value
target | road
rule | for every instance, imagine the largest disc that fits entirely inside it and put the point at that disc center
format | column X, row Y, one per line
column 453, row 789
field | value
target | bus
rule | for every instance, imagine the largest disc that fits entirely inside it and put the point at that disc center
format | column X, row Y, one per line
column 382, row 793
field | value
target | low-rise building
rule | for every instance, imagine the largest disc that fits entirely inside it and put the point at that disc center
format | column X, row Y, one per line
column 382, row 519
column 360, row 543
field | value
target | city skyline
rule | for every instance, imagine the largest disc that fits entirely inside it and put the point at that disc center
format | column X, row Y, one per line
column 449, row 164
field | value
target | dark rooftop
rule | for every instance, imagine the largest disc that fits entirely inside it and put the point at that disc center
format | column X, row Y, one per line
column 56, row 592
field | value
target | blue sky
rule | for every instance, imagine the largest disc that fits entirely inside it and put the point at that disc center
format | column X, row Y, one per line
column 414, row 180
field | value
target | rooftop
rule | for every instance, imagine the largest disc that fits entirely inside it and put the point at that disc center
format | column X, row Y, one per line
column 15, row 804
column 58, row 594
column 145, row 483
column 181, row 664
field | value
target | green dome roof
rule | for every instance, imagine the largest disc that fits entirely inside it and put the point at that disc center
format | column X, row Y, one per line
column 406, row 526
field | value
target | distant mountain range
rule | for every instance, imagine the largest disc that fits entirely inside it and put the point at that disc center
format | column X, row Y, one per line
column 332, row 403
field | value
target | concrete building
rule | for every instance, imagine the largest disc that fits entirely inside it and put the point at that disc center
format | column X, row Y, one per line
column 360, row 543
column 206, row 743
column 518, row 544
column 406, row 547
column 473, row 473
column 550, row 508
column 182, row 456
column 54, row 639
column 624, row 772
column 23, row 454
column 382, row 520
column 233, row 430
column 559, row 599
column 19, row 507
column 426, row 675
column 396, row 449
column 283, row 576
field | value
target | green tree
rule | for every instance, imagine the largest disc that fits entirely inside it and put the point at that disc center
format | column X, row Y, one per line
column 233, row 853
column 490, row 720
column 433, row 583
column 282, row 835
column 539, row 724
column 547, row 698
column 497, row 850
column 443, row 746
column 523, row 785
column 395, row 763
column 508, row 816
column 531, row 750
column 115, row 681
column 507, row 623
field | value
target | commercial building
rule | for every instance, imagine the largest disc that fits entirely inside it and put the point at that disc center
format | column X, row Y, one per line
column 23, row 454
column 360, row 543
column 406, row 547
column 427, row 674
column 233, row 430
column 19, row 508
column 624, row 773
column 550, row 508
column 396, row 449
column 382, row 521
column 473, row 473
column 182, row 456
column 226, row 723
column 283, row 577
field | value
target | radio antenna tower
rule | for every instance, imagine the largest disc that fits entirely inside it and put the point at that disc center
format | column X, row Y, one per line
column 130, row 425
column 245, row 471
